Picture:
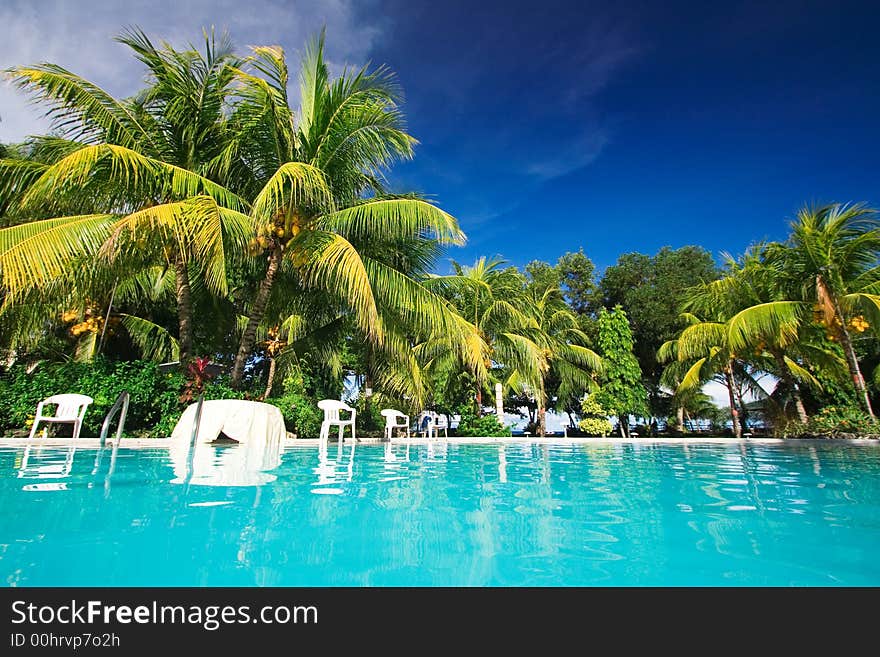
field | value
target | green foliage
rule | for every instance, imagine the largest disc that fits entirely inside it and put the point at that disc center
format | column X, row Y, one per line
column 651, row 291
column 576, row 273
column 486, row 426
column 369, row 420
column 835, row 422
column 542, row 276
column 621, row 390
column 153, row 411
column 594, row 418
column 573, row 273
column 453, row 390
column 299, row 408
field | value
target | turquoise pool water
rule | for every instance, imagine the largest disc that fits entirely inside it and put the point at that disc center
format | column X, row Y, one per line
column 456, row 515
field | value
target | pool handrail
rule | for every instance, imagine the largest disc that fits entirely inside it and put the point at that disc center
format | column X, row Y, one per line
column 119, row 406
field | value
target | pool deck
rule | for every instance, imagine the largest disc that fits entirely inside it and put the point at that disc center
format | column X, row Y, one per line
column 157, row 443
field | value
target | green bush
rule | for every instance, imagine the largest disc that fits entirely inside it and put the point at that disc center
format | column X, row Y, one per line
column 369, row 420
column 153, row 411
column 594, row 420
column 835, row 422
column 483, row 426
column 301, row 413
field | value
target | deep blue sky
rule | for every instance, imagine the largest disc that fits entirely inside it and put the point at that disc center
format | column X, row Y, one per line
column 628, row 126
column 549, row 126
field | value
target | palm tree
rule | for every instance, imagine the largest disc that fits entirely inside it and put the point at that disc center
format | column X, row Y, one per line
column 303, row 184
column 528, row 338
column 491, row 297
column 755, row 329
column 704, row 347
column 830, row 260
column 763, row 323
column 318, row 192
column 570, row 364
column 129, row 183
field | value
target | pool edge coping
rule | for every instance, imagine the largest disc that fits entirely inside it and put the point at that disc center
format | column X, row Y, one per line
column 159, row 443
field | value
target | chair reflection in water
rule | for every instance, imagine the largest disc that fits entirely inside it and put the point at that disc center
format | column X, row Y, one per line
column 46, row 463
column 328, row 469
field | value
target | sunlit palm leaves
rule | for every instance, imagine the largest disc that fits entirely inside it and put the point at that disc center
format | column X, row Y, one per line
column 831, row 261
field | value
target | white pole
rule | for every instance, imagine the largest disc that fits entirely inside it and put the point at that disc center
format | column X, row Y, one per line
column 499, row 402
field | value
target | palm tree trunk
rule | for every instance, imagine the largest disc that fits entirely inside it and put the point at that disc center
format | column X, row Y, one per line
column 258, row 309
column 479, row 400
column 852, row 361
column 623, row 423
column 184, row 309
column 826, row 297
column 786, row 375
column 271, row 378
column 542, row 422
column 679, row 419
column 741, row 405
column 728, row 375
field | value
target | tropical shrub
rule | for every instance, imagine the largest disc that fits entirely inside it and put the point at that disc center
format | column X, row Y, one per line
column 369, row 420
column 153, row 411
column 835, row 422
column 594, row 419
column 486, row 426
column 301, row 413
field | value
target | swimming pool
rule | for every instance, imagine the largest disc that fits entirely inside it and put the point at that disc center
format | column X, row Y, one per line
column 518, row 514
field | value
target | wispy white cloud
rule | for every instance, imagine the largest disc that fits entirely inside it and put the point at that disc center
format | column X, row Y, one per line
column 580, row 151
column 79, row 36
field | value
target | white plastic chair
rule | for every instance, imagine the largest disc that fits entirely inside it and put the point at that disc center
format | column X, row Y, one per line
column 435, row 423
column 441, row 422
column 394, row 420
column 70, row 409
column 331, row 408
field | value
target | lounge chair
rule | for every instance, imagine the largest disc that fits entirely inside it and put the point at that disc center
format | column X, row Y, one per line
column 70, row 409
column 331, row 408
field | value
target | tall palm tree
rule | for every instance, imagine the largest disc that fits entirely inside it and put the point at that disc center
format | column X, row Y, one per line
column 570, row 364
column 296, row 188
column 764, row 325
column 492, row 298
column 831, row 260
column 315, row 176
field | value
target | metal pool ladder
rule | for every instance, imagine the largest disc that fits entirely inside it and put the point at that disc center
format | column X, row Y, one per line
column 120, row 407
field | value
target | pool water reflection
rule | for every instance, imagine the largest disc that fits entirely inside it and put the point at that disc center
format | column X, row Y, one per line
column 518, row 514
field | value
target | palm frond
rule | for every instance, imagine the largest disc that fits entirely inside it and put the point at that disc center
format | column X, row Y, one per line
column 135, row 178
column 79, row 108
column 36, row 253
column 294, row 185
column 154, row 341
column 776, row 322
column 395, row 219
